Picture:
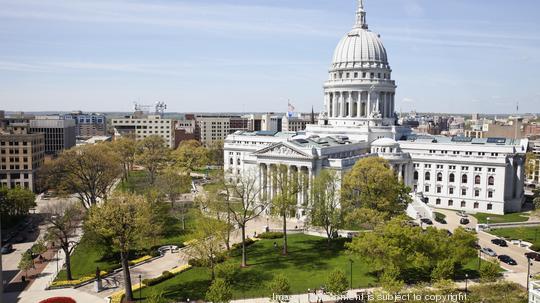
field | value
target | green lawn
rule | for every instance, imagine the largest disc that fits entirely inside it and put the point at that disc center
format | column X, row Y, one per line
column 529, row 234
column 137, row 182
column 513, row 217
column 307, row 266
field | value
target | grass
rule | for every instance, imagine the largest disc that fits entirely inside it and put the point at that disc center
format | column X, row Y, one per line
column 137, row 182
column 307, row 266
column 529, row 234
column 513, row 217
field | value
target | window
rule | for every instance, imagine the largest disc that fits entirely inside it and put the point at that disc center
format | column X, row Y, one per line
column 438, row 201
column 231, row 161
column 463, row 191
column 450, row 202
column 491, row 180
column 477, row 179
column 463, row 204
column 490, row 194
column 427, row 176
column 464, row 179
column 476, row 205
column 426, row 188
column 439, row 177
column 416, row 175
column 477, row 193
column 451, row 190
column 490, row 206
column 452, row 178
column 439, row 189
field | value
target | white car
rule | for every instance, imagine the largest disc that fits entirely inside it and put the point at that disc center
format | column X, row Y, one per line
column 462, row 213
column 488, row 251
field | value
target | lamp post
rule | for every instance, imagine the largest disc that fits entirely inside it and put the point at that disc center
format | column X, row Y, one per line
column 479, row 255
column 466, row 282
column 529, row 264
column 308, row 295
column 487, row 220
column 351, row 261
column 140, row 287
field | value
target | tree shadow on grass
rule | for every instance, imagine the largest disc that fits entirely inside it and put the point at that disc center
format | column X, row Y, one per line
column 192, row 290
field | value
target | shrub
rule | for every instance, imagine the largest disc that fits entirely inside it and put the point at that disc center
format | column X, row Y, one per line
column 535, row 247
column 219, row 292
column 227, row 271
column 164, row 276
column 337, row 283
column 220, row 258
column 279, row 285
column 270, row 235
column 489, row 272
column 249, row 242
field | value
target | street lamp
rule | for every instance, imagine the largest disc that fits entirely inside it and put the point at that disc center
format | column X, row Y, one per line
column 308, row 295
column 479, row 254
column 487, row 219
column 351, row 261
column 140, row 287
column 466, row 282
column 529, row 264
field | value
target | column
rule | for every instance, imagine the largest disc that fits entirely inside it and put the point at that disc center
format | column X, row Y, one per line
column 336, row 104
column 400, row 172
column 359, row 104
column 392, row 104
column 343, row 104
column 351, row 105
column 377, row 102
column 368, row 107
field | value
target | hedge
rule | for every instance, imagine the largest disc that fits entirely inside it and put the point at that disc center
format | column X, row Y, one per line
column 270, row 235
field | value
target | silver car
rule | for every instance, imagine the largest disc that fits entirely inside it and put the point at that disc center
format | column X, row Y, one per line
column 488, row 251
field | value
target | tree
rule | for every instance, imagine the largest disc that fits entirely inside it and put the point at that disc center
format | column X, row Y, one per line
column 89, row 171
column 216, row 203
column 127, row 219
column 219, row 292
column 207, row 248
column 215, row 152
column 152, row 154
column 26, row 263
column 63, row 219
column 39, row 248
column 400, row 252
column 190, row 155
column 337, row 283
column 372, row 184
column 489, row 272
column 279, row 286
column 227, row 271
column 445, row 270
column 14, row 204
column 246, row 205
column 531, row 163
column 126, row 149
column 325, row 209
column 284, row 202
column 172, row 185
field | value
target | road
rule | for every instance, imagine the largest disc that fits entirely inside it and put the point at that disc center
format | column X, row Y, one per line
column 517, row 273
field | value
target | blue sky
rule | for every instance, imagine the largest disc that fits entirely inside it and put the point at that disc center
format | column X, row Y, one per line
column 253, row 55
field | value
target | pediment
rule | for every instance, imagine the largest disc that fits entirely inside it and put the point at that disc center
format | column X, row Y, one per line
column 282, row 150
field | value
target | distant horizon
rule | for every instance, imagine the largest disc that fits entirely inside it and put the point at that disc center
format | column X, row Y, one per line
column 255, row 55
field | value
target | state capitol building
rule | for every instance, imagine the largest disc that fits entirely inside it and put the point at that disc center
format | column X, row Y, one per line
column 475, row 175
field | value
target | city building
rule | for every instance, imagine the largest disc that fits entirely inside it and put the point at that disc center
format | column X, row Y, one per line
column 185, row 129
column 297, row 123
column 359, row 121
column 21, row 155
column 533, row 176
column 89, row 125
column 141, row 126
column 60, row 133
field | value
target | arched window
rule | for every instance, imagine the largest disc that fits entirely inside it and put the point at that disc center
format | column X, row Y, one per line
column 464, row 179
column 477, row 179
column 491, row 180
column 416, row 175
column 439, row 177
column 452, row 178
column 427, row 176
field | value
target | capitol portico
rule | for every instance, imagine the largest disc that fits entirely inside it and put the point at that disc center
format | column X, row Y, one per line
column 359, row 121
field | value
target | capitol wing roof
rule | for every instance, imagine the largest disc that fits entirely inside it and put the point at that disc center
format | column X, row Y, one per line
column 281, row 150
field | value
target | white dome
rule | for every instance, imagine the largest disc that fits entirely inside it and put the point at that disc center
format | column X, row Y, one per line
column 385, row 142
column 359, row 47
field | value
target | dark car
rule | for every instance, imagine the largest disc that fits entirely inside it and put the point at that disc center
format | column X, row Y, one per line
column 533, row 256
column 499, row 242
column 464, row 221
column 507, row 259
column 426, row 221
column 6, row 249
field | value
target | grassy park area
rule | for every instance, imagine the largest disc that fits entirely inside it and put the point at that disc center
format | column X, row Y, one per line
column 306, row 266
column 529, row 234
column 137, row 182
column 512, row 217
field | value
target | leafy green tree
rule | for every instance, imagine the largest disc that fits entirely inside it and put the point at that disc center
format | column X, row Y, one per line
column 14, row 204
column 63, row 219
column 208, row 233
column 372, row 184
column 337, row 283
column 126, row 150
column 39, row 248
column 26, row 263
column 190, row 155
column 284, row 202
column 153, row 155
column 279, row 286
column 531, row 163
column 444, row 270
column 89, row 171
column 490, row 271
column 219, row 292
column 217, row 203
column 127, row 219
column 173, row 185
column 325, row 210
column 215, row 152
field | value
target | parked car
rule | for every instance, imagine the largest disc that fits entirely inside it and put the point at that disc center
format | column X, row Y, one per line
column 499, row 242
column 426, row 221
column 488, row 251
column 464, row 221
column 507, row 259
column 533, row 256
column 6, row 249
column 462, row 213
